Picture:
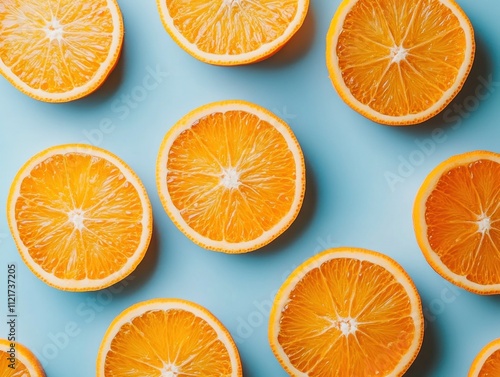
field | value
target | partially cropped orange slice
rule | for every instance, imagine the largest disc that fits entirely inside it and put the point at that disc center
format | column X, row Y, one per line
column 347, row 312
column 456, row 217
column 399, row 62
column 232, row 32
column 167, row 338
column 58, row 51
column 17, row 360
column 80, row 217
column 231, row 176
column 487, row 361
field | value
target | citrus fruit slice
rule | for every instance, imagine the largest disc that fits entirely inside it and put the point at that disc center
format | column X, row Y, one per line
column 58, row 51
column 231, row 176
column 80, row 217
column 487, row 361
column 456, row 217
column 167, row 337
column 399, row 62
column 347, row 312
column 18, row 360
column 228, row 32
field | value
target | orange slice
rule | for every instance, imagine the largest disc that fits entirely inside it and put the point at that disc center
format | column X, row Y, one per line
column 80, row 217
column 456, row 217
column 399, row 62
column 58, row 51
column 231, row 176
column 167, row 337
column 230, row 32
column 347, row 312
column 487, row 361
column 17, row 360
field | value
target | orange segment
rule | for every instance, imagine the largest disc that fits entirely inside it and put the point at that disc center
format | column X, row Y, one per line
column 457, row 216
column 80, row 217
column 17, row 360
column 231, row 176
column 167, row 337
column 487, row 361
column 58, row 51
column 230, row 32
column 342, row 308
column 399, row 62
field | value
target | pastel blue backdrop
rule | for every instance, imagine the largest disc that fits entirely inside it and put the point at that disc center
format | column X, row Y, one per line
column 361, row 181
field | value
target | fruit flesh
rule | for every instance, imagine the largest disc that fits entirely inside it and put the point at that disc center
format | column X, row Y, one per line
column 78, row 216
column 58, row 46
column 228, row 170
column 170, row 342
column 463, row 221
column 400, row 57
column 338, row 316
column 491, row 366
column 6, row 371
column 231, row 27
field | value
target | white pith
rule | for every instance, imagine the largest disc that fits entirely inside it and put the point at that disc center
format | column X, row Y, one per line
column 397, row 54
column 483, row 223
column 54, row 30
column 170, row 370
column 76, row 217
column 345, row 325
column 486, row 352
column 230, row 178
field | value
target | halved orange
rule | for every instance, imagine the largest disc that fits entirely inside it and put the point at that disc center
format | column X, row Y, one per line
column 80, row 217
column 347, row 312
column 399, row 62
column 167, row 338
column 230, row 32
column 456, row 217
column 231, row 176
column 17, row 360
column 487, row 361
column 58, row 51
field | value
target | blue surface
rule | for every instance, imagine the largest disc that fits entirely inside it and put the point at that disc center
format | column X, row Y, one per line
column 349, row 200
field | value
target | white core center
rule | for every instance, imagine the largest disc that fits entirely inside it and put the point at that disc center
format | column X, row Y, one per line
column 483, row 223
column 230, row 178
column 54, row 30
column 76, row 217
column 346, row 325
column 170, row 370
column 398, row 53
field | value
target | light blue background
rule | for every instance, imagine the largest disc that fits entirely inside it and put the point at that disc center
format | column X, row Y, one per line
column 349, row 200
